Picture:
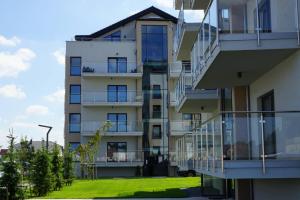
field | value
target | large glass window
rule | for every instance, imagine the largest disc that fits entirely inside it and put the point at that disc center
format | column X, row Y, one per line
column 117, row 65
column 118, row 122
column 116, row 151
column 75, row 96
column 117, row 93
column 156, row 131
column 154, row 43
column 75, row 66
column 156, row 92
column 116, row 36
column 74, row 122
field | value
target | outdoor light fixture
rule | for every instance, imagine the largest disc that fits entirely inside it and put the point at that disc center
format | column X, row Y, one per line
column 47, row 134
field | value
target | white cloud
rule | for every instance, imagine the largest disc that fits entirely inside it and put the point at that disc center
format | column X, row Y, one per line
column 11, row 64
column 193, row 15
column 59, row 56
column 37, row 110
column 9, row 42
column 57, row 96
column 23, row 125
column 164, row 3
column 12, row 91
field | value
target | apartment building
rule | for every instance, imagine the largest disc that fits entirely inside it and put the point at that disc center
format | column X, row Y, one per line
column 125, row 74
column 245, row 66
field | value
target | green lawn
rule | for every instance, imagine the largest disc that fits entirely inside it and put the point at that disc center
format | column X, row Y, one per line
column 127, row 188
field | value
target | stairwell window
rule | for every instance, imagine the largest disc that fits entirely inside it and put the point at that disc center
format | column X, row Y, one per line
column 156, row 131
column 156, row 94
column 74, row 122
column 75, row 66
column 75, row 94
column 156, row 113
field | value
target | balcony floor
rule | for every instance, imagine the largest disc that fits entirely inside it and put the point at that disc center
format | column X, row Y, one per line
column 238, row 60
column 253, row 169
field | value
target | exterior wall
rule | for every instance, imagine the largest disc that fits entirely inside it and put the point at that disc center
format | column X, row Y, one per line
column 283, row 79
column 276, row 189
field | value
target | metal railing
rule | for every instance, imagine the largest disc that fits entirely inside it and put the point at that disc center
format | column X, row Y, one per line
column 218, row 21
column 105, row 96
column 245, row 135
column 113, row 68
column 119, row 127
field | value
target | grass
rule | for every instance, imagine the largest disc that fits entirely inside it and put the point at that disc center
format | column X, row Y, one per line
column 126, row 188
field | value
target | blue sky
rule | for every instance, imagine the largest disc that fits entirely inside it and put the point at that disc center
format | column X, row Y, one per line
column 32, row 46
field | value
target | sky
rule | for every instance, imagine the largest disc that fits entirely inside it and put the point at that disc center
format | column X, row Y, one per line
column 32, row 49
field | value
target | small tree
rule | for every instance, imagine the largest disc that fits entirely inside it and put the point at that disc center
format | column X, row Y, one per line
column 57, row 168
column 68, row 166
column 41, row 173
column 11, row 174
column 25, row 155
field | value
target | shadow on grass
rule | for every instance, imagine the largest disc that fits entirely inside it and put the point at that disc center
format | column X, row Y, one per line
column 168, row 193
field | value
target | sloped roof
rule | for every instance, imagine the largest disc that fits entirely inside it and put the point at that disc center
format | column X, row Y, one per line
column 125, row 21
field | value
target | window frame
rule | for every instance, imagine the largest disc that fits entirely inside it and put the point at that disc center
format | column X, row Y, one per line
column 117, row 122
column 70, row 114
column 76, row 66
column 160, row 132
column 70, row 94
column 158, row 90
column 116, row 92
column 117, row 59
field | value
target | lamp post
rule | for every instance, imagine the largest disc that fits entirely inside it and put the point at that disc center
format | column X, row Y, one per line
column 47, row 134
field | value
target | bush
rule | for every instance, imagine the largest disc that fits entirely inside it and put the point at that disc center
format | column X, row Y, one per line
column 68, row 167
column 57, row 168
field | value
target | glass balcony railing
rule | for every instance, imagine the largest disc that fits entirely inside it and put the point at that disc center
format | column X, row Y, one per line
column 122, row 157
column 113, row 68
column 253, row 136
column 113, row 97
column 120, row 127
column 243, row 20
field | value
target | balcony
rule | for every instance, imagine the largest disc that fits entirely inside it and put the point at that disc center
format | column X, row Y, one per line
column 244, row 145
column 111, row 98
column 110, row 70
column 120, row 128
column 189, row 99
column 182, row 127
column 185, row 36
column 191, row 4
column 239, row 41
column 120, row 159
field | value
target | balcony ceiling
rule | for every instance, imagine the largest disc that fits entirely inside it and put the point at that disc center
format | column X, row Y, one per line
column 236, row 63
column 200, row 4
column 188, row 37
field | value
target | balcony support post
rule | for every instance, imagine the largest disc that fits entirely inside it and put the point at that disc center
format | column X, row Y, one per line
column 206, row 136
column 297, row 20
column 222, row 144
column 213, row 141
column 257, row 24
column 262, row 121
column 218, row 36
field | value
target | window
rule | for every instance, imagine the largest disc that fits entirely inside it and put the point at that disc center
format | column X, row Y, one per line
column 118, row 122
column 117, row 65
column 156, row 92
column 116, row 36
column 75, row 66
column 156, row 131
column 156, row 111
column 117, row 93
column 187, row 66
column 187, row 116
column 116, row 151
column 74, row 145
column 74, row 122
column 156, row 150
column 154, row 43
column 75, row 97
